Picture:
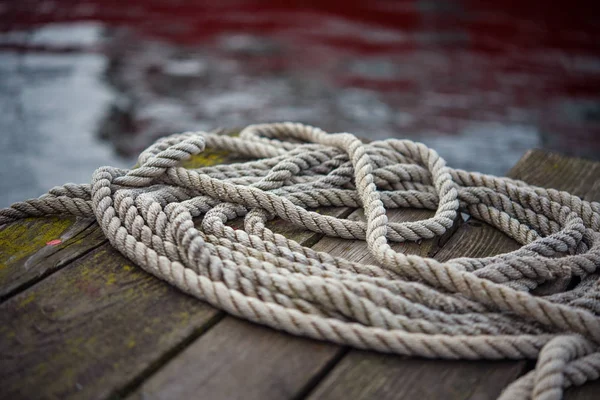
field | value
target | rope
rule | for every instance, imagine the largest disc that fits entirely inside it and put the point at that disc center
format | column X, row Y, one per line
column 465, row 308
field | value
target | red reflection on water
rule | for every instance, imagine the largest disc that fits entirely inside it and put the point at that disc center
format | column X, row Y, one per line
column 511, row 62
column 491, row 25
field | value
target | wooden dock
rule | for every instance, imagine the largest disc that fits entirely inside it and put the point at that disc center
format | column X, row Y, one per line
column 80, row 321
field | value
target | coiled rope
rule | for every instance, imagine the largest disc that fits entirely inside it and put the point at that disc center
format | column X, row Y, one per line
column 464, row 308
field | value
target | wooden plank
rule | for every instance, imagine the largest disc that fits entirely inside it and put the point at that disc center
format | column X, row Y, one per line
column 368, row 375
column 551, row 170
column 262, row 362
column 270, row 373
column 95, row 326
column 379, row 375
column 589, row 390
column 394, row 377
column 20, row 336
column 29, row 249
column 36, row 247
column 594, row 193
column 358, row 251
column 214, row 368
column 92, row 328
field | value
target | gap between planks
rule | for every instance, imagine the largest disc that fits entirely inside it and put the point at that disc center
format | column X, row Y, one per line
column 27, row 255
column 164, row 345
column 90, row 322
column 28, row 249
column 363, row 375
column 473, row 377
column 264, row 363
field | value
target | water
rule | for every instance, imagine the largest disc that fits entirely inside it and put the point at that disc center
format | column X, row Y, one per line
column 51, row 107
column 94, row 83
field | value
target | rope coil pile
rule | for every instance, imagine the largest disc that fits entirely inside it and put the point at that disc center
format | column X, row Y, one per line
column 464, row 308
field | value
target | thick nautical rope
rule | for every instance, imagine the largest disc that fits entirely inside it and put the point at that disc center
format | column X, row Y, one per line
column 172, row 222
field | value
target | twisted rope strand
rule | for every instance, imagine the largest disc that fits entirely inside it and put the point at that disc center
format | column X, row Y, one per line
column 464, row 308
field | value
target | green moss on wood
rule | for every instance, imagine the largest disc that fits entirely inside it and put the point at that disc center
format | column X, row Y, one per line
column 210, row 157
column 206, row 159
column 21, row 239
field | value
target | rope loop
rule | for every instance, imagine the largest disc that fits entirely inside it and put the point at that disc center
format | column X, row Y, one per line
column 541, row 301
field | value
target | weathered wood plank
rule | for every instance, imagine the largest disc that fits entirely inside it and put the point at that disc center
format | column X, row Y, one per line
column 386, row 376
column 358, row 251
column 95, row 326
column 368, row 375
column 394, row 377
column 242, row 371
column 76, row 316
column 476, row 239
column 34, row 248
column 103, row 323
column 91, row 328
column 263, row 363
column 279, row 364
column 590, row 390
column 542, row 168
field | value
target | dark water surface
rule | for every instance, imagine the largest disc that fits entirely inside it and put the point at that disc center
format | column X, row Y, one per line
column 90, row 83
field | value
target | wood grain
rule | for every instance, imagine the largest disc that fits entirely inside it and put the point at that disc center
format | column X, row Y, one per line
column 92, row 328
column 366, row 375
column 551, row 170
column 264, row 363
column 239, row 360
column 358, row 251
column 394, row 377
column 100, row 327
column 28, row 252
column 589, row 390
